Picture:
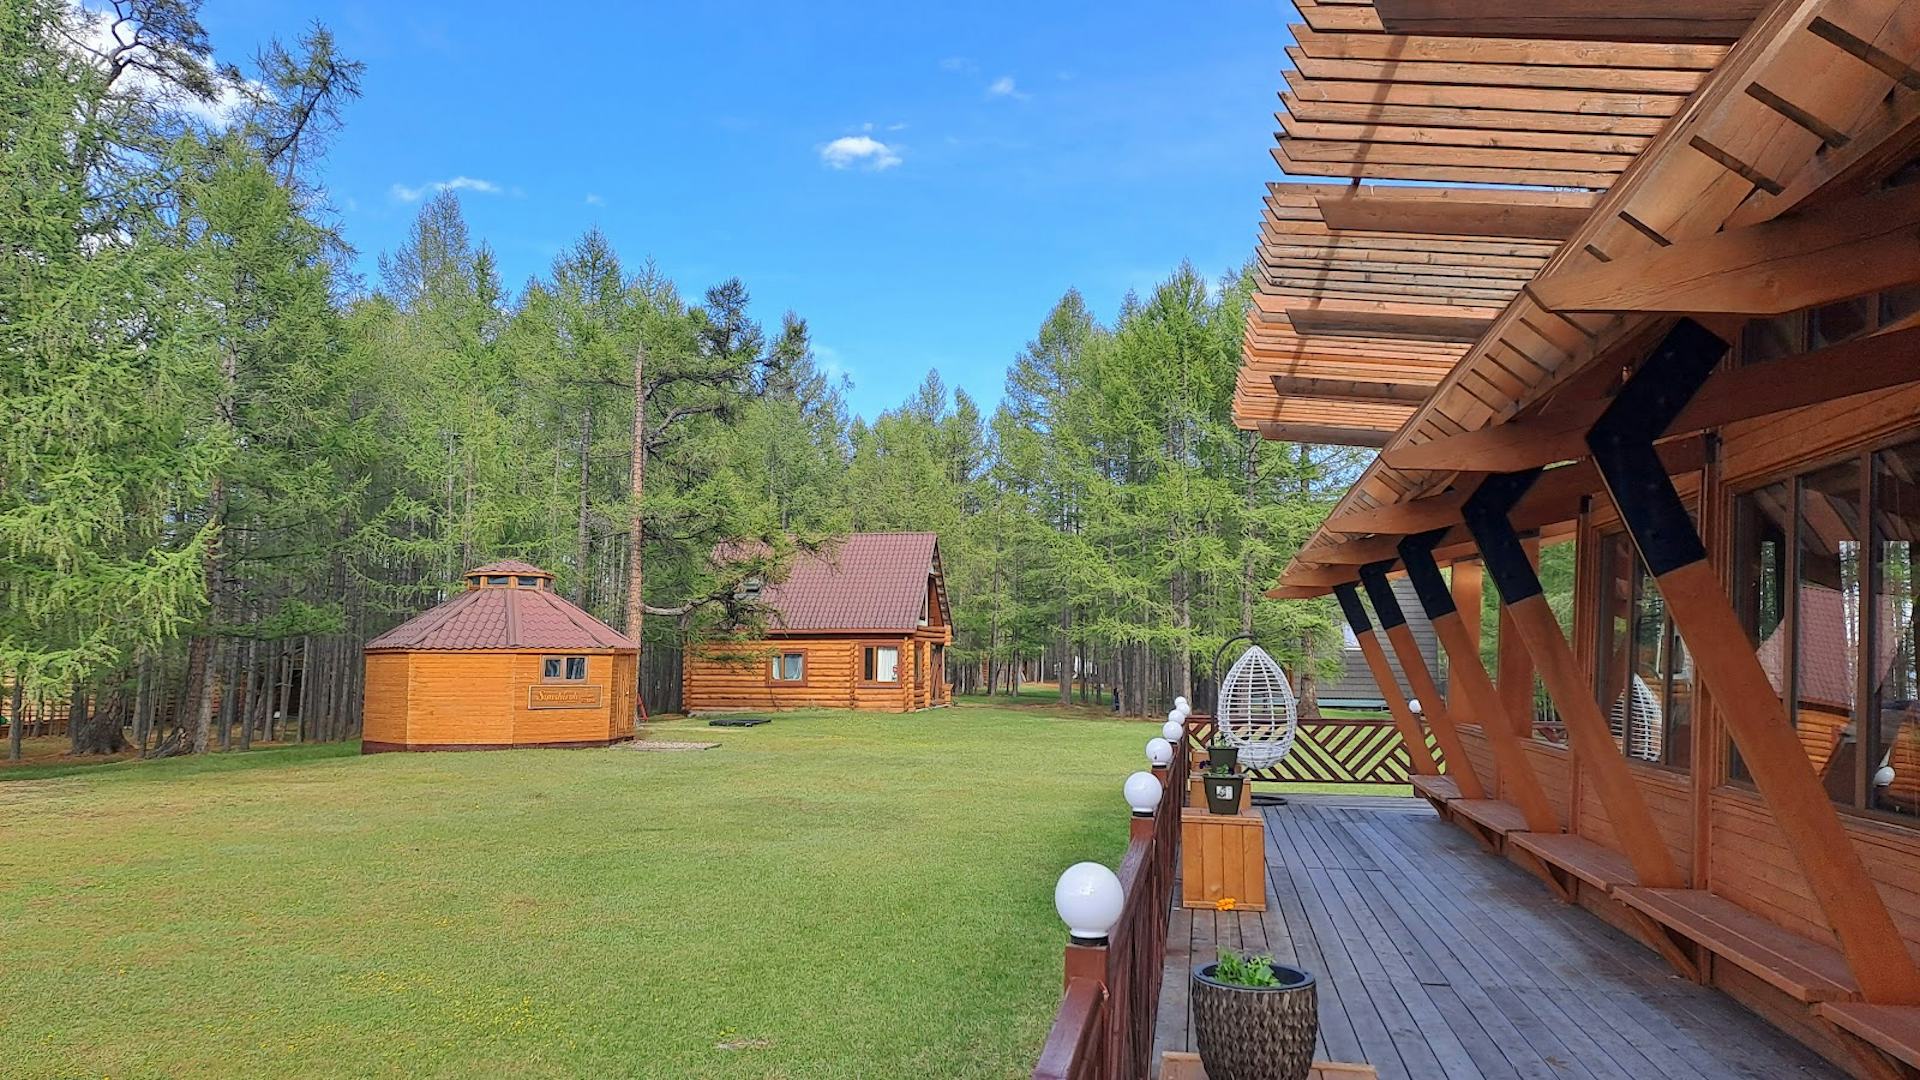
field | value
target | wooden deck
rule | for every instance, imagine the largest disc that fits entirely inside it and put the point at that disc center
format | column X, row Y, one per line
column 1438, row 961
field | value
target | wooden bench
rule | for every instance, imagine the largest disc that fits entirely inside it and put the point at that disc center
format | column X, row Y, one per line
column 1571, row 860
column 1796, row 966
column 1489, row 820
column 1438, row 790
column 1889, row 1035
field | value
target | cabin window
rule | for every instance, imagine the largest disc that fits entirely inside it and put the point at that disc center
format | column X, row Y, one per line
column 1834, row 610
column 1645, row 672
column 564, row 668
column 790, row 667
column 498, row 579
column 529, row 582
column 880, row 663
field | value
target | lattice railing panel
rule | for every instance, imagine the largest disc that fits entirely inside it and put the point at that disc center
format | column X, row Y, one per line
column 1334, row 752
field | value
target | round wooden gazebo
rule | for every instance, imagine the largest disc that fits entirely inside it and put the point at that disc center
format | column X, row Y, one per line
column 507, row 663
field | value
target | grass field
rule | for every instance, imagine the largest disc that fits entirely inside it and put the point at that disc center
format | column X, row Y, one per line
column 828, row 895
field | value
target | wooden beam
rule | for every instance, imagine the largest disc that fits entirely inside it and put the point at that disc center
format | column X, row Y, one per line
column 1843, row 249
column 1393, row 623
column 1441, row 116
column 1296, row 592
column 1528, row 625
column 1401, row 48
column 1402, row 518
column 1431, row 322
column 1324, row 434
column 1463, row 655
column 1467, row 584
column 1350, row 389
column 1536, row 76
column 1680, row 21
column 1860, row 366
column 1455, row 213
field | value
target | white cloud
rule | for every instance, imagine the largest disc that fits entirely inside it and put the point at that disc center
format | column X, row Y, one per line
column 859, row 151
column 99, row 39
column 1004, row 87
column 593, row 199
column 959, row 65
column 459, row 183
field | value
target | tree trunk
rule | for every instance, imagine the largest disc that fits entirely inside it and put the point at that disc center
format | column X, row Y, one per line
column 199, row 713
column 637, row 485
column 94, row 731
column 583, row 522
column 16, row 720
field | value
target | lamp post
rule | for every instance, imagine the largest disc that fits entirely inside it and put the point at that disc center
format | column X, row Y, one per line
column 1089, row 899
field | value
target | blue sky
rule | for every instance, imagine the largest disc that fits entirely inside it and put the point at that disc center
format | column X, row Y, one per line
column 919, row 182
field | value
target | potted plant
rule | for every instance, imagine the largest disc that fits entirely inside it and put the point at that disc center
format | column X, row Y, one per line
column 1254, row 1019
column 1223, row 789
column 1222, row 752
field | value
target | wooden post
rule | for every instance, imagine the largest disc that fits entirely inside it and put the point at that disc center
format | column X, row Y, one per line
column 1723, row 655
column 1416, row 553
column 1523, row 605
column 1386, row 607
column 1410, row 732
column 1467, row 590
column 1086, row 961
column 1515, row 677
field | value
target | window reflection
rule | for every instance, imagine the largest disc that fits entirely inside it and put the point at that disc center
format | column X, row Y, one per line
column 1894, row 751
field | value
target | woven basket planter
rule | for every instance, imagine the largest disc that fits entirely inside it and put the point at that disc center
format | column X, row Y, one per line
column 1255, row 1033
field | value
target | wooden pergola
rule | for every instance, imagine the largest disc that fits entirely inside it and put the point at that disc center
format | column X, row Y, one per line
column 1601, row 274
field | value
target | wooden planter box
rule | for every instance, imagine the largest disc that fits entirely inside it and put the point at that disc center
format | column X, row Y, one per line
column 1222, row 857
column 1197, row 793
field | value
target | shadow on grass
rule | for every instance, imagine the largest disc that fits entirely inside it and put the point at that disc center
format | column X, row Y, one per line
column 165, row 768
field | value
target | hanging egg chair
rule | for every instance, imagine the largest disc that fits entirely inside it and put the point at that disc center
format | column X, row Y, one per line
column 1258, row 712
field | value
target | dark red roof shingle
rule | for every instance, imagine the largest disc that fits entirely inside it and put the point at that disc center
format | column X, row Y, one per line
column 868, row 581
column 503, row 618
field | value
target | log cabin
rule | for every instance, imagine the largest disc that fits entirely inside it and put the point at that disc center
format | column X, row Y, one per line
column 1645, row 280
column 507, row 663
column 862, row 624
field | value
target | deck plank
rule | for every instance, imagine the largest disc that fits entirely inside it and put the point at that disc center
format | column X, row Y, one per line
column 1437, row 961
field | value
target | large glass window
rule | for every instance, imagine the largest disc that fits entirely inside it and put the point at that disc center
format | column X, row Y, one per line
column 1840, row 644
column 1645, row 676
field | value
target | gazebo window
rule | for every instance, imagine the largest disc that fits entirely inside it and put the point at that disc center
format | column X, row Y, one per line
column 529, row 582
column 564, row 668
column 498, row 579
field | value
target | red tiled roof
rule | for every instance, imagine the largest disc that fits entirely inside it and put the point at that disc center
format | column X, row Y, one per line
column 869, row 581
column 503, row 618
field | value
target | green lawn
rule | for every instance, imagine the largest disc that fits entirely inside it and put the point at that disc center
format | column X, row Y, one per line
column 828, row 895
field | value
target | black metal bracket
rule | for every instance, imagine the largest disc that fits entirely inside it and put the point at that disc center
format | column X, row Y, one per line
column 1386, row 606
column 1416, row 554
column 1351, row 606
column 1501, row 552
column 1622, row 445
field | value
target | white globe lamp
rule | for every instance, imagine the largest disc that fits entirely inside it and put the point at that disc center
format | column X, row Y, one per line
column 1413, row 704
column 1159, row 751
column 1180, row 705
column 1883, row 776
column 1174, row 728
column 1142, row 790
column 1088, row 898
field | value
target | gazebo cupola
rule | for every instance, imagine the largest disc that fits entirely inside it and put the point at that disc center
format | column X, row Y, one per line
column 509, row 574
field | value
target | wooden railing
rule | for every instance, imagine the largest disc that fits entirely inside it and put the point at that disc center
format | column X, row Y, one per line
column 1104, row 1029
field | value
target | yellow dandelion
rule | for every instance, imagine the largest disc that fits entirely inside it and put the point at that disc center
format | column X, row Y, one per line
column 1225, row 903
